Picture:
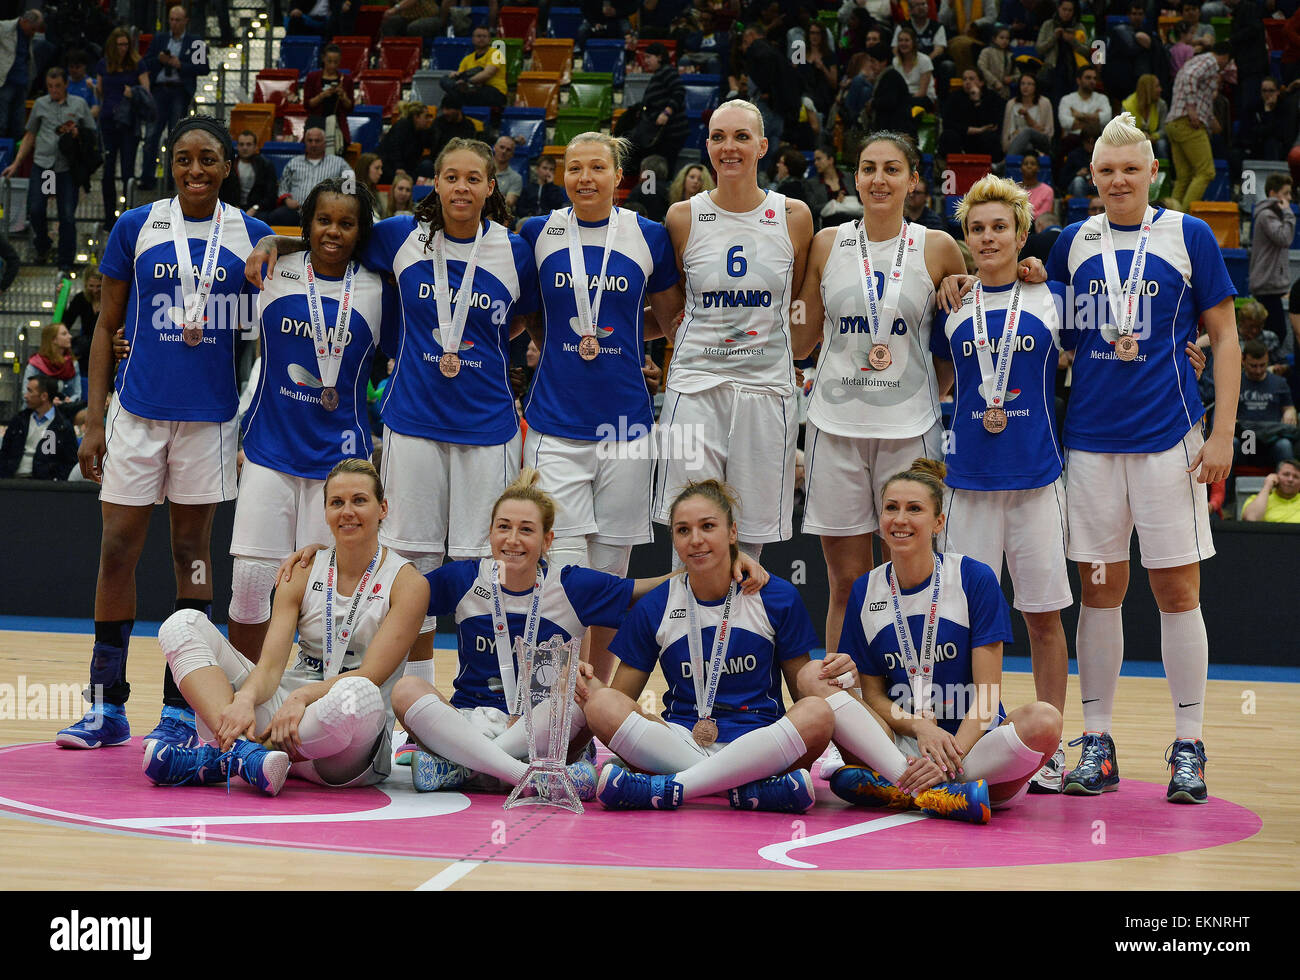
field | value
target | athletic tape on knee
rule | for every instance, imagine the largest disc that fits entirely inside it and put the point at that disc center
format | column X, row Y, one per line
column 612, row 559
column 424, row 563
column 185, row 644
column 1000, row 757
column 251, row 582
column 568, row 551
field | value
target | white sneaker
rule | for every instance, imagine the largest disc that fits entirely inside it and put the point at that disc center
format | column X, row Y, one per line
column 1048, row 778
column 831, row 763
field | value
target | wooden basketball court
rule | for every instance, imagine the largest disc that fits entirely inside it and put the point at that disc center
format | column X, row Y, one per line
column 75, row 820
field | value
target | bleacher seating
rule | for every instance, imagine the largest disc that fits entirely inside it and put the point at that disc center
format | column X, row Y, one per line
column 520, row 22
column 570, row 122
column 564, row 22
column 1238, row 262
column 280, row 153
column 420, row 191
column 602, row 55
column 380, row 87
column 300, row 52
column 592, row 90
column 276, row 86
column 356, row 53
column 514, row 54
column 254, row 116
column 426, row 86
column 366, row 125
column 554, row 54
column 291, row 121
column 540, row 90
column 1223, row 219
column 527, row 127
column 968, row 168
column 401, row 54
column 702, row 92
column 369, row 19
column 448, row 52
column 479, row 115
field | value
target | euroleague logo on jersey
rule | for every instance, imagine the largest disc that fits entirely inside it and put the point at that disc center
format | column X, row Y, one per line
column 768, row 218
column 375, row 592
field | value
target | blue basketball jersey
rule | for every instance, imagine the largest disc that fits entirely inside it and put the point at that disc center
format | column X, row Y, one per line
column 1147, row 405
column 285, row 427
column 1025, row 454
column 477, row 406
column 766, row 630
column 162, row 377
column 642, row 262
column 574, row 599
column 972, row 612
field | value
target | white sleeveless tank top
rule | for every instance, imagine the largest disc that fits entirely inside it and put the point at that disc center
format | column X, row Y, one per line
column 848, row 397
column 738, row 269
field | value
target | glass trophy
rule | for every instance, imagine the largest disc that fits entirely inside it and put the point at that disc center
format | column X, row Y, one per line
column 548, row 676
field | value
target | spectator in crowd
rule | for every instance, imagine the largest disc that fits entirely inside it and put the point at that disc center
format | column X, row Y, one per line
column 1084, row 106
column 53, row 115
column 788, row 178
column 650, row 195
column 1134, row 50
column 252, row 184
column 328, row 93
column 17, row 59
column 931, row 37
column 660, row 123
column 1266, row 414
column 1063, row 46
column 1028, row 123
column 117, row 75
column 1026, row 17
column 1041, row 196
column 404, row 143
column 480, row 79
column 174, row 61
column 820, row 72
column 39, row 443
column 322, row 18
column 55, row 360
column 450, row 124
column 370, row 171
column 959, row 16
column 81, row 315
column 1275, row 122
column 1076, row 175
column 855, row 92
column 10, row 263
column 400, row 194
column 657, row 17
column 891, row 100
column 916, row 68
column 917, row 210
column 703, row 49
column 1278, row 502
column 412, row 18
column 996, row 65
column 1149, row 111
column 1272, row 231
column 543, row 194
column 764, row 69
column 695, row 177
column 1190, row 113
column 606, row 19
column 1248, row 49
column 1252, row 316
column 509, row 182
column 303, row 173
column 1190, row 35
column 837, row 197
column 79, row 83
column 972, row 119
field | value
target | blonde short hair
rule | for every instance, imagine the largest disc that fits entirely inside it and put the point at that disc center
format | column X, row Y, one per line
column 617, row 146
column 742, row 104
column 1123, row 131
column 998, row 190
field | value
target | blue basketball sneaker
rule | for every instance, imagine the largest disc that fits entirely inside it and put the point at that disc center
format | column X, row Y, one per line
column 583, row 773
column 432, row 772
column 103, row 726
column 1186, row 759
column 261, row 768
column 1098, row 768
column 175, row 727
column 791, row 792
column 622, row 789
column 957, row 801
column 167, row 765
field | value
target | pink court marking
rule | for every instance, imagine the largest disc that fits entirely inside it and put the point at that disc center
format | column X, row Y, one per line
column 105, row 789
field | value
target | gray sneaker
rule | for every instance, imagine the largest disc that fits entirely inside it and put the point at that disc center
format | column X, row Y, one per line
column 1048, row 778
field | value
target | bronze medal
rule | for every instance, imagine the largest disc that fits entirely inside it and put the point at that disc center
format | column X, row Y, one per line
column 705, row 732
column 1126, row 348
column 329, row 399
column 995, row 420
column 449, row 364
column 192, row 334
column 589, row 348
column 878, row 357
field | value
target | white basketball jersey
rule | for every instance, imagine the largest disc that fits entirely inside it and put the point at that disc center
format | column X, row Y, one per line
column 738, row 269
column 848, row 397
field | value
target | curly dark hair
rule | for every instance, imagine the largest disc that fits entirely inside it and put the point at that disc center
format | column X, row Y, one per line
column 494, row 209
column 365, row 209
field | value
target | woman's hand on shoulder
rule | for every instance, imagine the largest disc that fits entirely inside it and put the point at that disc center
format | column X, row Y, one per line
column 951, row 290
column 121, row 346
column 1033, row 271
column 749, row 574
column 302, row 557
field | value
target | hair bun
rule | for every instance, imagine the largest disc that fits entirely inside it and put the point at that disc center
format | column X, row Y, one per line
column 930, row 467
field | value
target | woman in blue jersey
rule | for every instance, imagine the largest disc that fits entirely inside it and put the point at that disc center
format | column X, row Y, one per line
column 172, row 279
column 590, row 417
column 926, row 631
column 724, row 727
column 327, row 718
column 451, row 434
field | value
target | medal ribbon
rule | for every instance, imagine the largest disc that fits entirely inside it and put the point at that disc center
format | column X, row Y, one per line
column 706, row 693
column 881, row 309
column 452, row 321
column 588, row 309
column 1124, row 311
column 501, row 634
column 332, row 665
column 329, row 347
column 995, row 382
column 920, row 671
column 195, row 296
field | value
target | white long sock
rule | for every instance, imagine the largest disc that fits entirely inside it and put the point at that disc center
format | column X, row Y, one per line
column 1099, row 644
column 514, row 740
column 422, row 669
column 755, row 755
column 1185, row 649
column 859, row 732
column 440, row 728
column 651, row 747
column 1000, row 757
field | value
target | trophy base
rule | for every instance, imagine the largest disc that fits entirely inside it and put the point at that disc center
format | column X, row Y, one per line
column 546, row 784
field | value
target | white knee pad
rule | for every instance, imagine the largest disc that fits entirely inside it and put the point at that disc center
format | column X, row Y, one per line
column 353, row 704
column 610, row 558
column 424, row 563
column 185, row 642
column 568, row 551
column 251, row 583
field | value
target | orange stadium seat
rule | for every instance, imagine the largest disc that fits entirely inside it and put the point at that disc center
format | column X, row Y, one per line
column 1223, row 218
column 540, row 90
column 256, row 117
column 554, row 54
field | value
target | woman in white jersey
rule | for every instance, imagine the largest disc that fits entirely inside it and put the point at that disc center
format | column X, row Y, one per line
column 451, row 434
column 328, row 717
column 590, row 417
column 171, row 279
column 731, row 387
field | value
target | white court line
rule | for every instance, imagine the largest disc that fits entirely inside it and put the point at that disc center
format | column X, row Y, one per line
column 779, row 853
column 448, row 876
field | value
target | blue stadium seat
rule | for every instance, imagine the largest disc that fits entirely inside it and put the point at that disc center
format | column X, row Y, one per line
column 1295, row 242
column 478, row 17
column 420, row 191
column 810, row 170
column 702, row 92
column 301, row 53
column 1238, row 262
column 6, row 151
column 1044, row 168
column 448, row 52
column 1220, row 188
column 698, row 132
column 280, row 153
column 366, row 123
column 527, row 127
column 1076, row 209
column 927, row 167
column 564, row 22
column 605, row 56
column 519, row 164
column 482, row 113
